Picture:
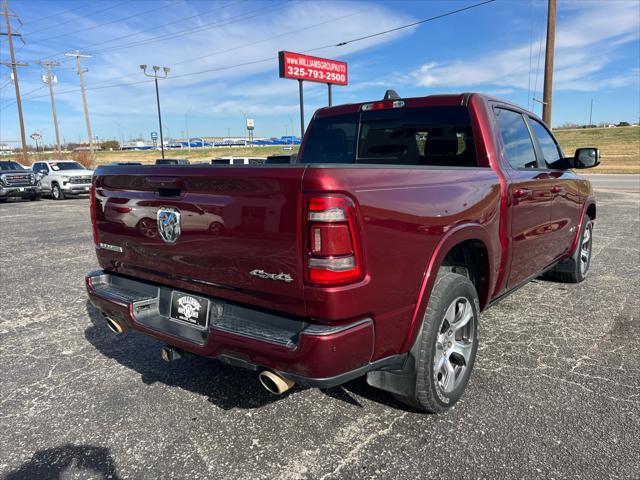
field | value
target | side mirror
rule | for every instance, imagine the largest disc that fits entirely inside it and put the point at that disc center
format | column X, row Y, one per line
column 42, row 173
column 586, row 158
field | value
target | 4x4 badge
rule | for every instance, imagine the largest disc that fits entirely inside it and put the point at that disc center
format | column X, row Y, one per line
column 169, row 224
column 283, row 277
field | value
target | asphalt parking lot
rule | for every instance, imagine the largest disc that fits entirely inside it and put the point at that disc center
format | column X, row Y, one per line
column 555, row 392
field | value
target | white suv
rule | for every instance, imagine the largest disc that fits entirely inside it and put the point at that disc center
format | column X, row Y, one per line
column 62, row 178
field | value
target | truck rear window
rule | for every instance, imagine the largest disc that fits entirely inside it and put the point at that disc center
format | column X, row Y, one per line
column 431, row 136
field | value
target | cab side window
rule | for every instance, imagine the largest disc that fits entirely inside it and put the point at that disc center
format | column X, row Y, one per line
column 517, row 142
column 550, row 151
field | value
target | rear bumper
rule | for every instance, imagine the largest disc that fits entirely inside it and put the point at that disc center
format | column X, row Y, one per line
column 309, row 353
column 6, row 192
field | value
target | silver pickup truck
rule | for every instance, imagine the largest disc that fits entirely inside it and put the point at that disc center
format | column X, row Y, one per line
column 62, row 178
column 16, row 181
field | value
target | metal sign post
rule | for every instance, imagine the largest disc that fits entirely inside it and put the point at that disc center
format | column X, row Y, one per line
column 301, row 67
column 301, row 109
column 36, row 136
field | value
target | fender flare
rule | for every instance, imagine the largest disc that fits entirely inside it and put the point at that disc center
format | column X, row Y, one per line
column 458, row 234
column 588, row 202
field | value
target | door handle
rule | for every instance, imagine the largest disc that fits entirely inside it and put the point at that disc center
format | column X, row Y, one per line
column 557, row 189
column 521, row 193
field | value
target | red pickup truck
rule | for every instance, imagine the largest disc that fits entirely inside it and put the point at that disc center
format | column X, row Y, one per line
column 373, row 254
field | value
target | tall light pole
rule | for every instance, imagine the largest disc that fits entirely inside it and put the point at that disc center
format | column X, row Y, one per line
column 155, row 76
column 292, row 132
column 120, row 134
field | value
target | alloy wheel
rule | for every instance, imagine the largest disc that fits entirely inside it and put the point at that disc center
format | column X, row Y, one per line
column 454, row 345
column 585, row 249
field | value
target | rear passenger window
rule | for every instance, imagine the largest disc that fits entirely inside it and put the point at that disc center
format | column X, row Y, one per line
column 517, row 141
column 429, row 136
column 548, row 145
column 332, row 139
column 436, row 136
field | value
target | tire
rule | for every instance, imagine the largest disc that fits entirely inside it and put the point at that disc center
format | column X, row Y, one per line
column 3, row 200
column 56, row 192
column 453, row 297
column 35, row 197
column 576, row 268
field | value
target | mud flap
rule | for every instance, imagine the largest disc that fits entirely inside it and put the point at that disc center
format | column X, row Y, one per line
column 401, row 381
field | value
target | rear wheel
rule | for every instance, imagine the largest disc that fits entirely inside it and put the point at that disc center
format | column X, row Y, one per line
column 576, row 268
column 56, row 192
column 447, row 345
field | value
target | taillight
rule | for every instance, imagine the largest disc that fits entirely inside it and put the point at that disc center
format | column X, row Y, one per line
column 94, row 222
column 332, row 246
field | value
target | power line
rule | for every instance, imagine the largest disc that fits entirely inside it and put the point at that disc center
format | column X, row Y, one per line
column 262, row 60
column 48, row 17
column 251, row 44
column 402, row 27
column 323, row 47
column 106, row 23
column 334, row 19
column 140, row 32
column 76, row 18
column 535, row 83
column 190, row 31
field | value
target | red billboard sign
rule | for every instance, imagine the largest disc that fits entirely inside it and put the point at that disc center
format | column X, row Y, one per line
column 312, row 69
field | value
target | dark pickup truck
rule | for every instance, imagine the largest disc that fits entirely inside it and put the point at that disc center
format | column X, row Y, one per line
column 16, row 181
column 373, row 254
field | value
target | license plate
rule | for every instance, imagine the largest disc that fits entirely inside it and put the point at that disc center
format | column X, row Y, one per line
column 190, row 309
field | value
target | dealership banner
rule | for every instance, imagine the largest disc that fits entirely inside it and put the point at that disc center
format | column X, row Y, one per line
column 313, row 69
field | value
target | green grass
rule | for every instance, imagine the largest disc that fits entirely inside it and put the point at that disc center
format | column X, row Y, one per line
column 619, row 147
column 196, row 154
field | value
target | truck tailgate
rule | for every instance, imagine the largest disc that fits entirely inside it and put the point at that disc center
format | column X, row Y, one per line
column 233, row 221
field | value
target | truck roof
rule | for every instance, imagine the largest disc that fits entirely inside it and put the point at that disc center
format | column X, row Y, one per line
column 425, row 101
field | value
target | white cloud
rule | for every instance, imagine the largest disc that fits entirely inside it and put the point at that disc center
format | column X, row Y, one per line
column 240, row 39
column 585, row 44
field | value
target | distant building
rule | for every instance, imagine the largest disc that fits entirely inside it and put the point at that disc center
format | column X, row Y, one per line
column 5, row 149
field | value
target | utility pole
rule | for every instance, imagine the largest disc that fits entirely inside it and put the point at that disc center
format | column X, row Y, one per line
column 13, row 66
column 154, row 75
column 49, row 79
column 186, row 124
column 591, row 112
column 548, row 63
column 81, row 72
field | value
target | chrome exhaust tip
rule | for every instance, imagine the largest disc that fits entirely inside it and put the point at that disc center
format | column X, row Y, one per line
column 274, row 382
column 114, row 325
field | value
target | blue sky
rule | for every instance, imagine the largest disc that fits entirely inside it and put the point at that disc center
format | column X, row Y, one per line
column 493, row 49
